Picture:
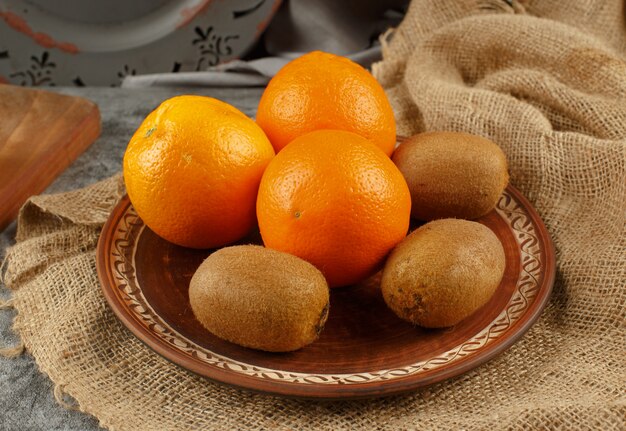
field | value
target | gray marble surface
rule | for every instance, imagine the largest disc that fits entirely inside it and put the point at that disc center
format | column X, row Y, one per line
column 26, row 400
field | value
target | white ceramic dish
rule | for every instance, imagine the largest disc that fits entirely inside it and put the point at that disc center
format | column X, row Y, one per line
column 73, row 42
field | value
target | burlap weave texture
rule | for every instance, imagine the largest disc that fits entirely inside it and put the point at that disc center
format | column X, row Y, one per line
column 546, row 80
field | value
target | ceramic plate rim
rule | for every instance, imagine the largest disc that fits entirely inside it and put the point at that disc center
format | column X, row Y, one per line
column 364, row 390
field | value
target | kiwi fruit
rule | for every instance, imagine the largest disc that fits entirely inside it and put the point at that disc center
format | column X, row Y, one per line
column 260, row 298
column 443, row 272
column 452, row 174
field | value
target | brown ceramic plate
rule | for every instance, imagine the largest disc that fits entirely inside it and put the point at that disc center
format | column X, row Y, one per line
column 364, row 350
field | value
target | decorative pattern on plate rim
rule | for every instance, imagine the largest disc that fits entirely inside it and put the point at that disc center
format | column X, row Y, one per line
column 130, row 227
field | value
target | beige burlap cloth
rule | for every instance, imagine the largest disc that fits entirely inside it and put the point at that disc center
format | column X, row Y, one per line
column 546, row 80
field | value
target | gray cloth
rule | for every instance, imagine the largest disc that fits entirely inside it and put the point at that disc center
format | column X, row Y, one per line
column 349, row 28
column 239, row 73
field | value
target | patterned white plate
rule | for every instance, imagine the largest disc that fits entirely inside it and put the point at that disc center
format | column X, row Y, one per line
column 75, row 42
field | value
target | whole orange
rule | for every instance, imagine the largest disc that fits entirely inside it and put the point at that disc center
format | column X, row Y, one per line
column 325, row 91
column 192, row 171
column 336, row 200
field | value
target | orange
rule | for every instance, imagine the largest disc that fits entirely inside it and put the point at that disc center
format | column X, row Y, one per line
column 192, row 171
column 336, row 200
column 325, row 91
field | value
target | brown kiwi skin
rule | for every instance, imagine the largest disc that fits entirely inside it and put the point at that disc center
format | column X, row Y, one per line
column 260, row 298
column 443, row 272
column 452, row 174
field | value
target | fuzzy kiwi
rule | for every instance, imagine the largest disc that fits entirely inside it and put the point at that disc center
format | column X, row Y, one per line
column 452, row 174
column 443, row 272
column 260, row 298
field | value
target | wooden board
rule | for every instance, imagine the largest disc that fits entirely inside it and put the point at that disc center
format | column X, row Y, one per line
column 41, row 134
column 364, row 349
